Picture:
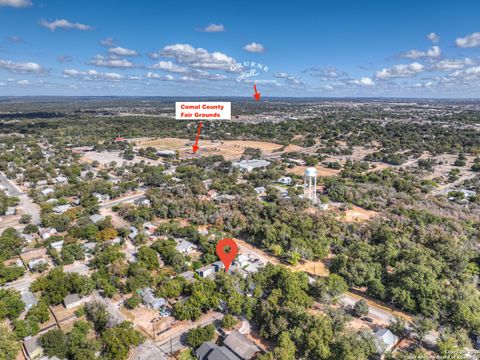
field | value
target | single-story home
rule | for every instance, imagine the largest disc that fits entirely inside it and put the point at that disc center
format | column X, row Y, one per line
column 73, row 300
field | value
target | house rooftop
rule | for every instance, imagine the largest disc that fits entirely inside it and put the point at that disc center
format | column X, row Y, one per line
column 239, row 344
column 71, row 299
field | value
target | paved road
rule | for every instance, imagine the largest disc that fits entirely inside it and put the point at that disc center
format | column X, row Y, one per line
column 26, row 203
column 173, row 340
column 373, row 312
column 12, row 189
column 115, row 202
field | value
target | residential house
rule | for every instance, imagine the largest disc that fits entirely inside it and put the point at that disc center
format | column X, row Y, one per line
column 34, row 263
column 10, row 211
column 206, row 271
column 95, row 218
column 242, row 260
column 249, row 165
column 46, row 233
column 133, row 233
column 42, row 183
column 73, row 300
column 60, row 209
column 218, row 265
column 241, row 346
column 28, row 238
column 60, row 180
column 32, row 347
column 211, row 351
column 101, row 197
column 286, row 180
column 151, row 300
column 185, row 247
column 57, row 245
column 149, row 228
column 188, row 275
column 385, row 340
column 29, row 299
column 261, row 190
column 235, row 347
column 46, row 192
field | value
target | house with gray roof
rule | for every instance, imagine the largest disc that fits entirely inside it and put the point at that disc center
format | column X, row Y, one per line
column 385, row 340
column 95, row 218
column 241, row 346
column 249, row 165
column 151, row 300
column 29, row 299
column 211, row 351
column 32, row 347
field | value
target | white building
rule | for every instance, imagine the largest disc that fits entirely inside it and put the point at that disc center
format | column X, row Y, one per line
column 249, row 165
column 286, row 180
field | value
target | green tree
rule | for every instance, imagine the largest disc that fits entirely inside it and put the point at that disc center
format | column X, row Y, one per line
column 229, row 322
column 54, row 343
column 9, row 346
column 361, row 308
column 11, row 304
column 199, row 335
column 118, row 340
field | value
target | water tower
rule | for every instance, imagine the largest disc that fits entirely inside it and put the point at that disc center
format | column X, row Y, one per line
column 310, row 184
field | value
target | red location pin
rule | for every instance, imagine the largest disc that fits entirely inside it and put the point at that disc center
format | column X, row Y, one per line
column 227, row 257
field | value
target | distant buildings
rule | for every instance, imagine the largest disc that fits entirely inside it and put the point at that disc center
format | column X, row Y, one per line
column 95, row 218
column 185, row 247
column 60, row 209
column 46, row 233
column 286, row 180
column 249, row 165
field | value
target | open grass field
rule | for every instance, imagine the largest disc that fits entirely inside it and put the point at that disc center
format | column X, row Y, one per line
column 230, row 149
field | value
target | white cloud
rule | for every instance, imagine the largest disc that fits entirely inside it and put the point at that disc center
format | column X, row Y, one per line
column 433, row 52
column 120, row 51
column 109, row 42
column 24, row 82
column 151, row 75
column 16, row 3
column 63, row 24
column 402, row 70
column 289, row 79
column 433, row 37
column 198, row 58
column 90, row 75
column 326, row 73
column 188, row 78
column 254, row 48
column 3, row 84
column 213, row 28
column 365, row 81
column 110, row 62
column 21, row 67
column 452, row 64
column 169, row 67
column 469, row 41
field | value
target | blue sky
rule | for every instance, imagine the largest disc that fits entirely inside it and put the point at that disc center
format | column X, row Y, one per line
column 311, row 48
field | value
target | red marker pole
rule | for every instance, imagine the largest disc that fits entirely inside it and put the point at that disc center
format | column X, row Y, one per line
column 227, row 257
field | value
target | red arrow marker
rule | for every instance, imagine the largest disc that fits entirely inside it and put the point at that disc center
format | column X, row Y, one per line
column 257, row 94
column 227, row 258
column 195, row 146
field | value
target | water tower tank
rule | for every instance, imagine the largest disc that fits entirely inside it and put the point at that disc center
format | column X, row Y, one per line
column 311, row 171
